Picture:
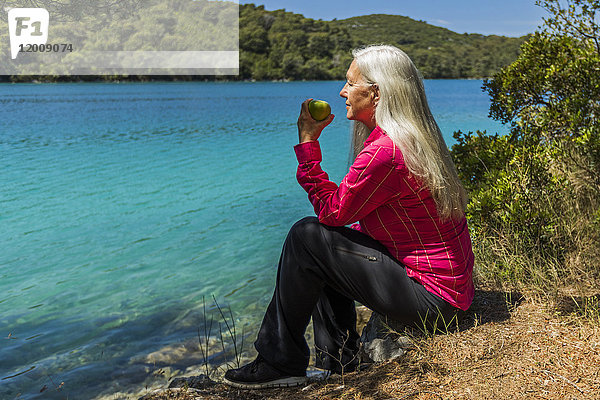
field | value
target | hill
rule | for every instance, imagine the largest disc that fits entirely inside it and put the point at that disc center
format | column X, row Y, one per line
column 284, row 45
column 438, row 52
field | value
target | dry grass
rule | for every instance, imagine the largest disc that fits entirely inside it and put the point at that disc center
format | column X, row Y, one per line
column 505, row 348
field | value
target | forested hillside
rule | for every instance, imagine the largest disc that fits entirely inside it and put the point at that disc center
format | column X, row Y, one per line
column 283, row 45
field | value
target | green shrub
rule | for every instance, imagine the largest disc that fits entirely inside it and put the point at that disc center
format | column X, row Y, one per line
column 535, row 193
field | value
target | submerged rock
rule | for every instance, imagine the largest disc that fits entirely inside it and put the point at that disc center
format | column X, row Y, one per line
column 196, row 382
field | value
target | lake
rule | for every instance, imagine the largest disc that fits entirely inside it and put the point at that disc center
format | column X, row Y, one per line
column 128, row 209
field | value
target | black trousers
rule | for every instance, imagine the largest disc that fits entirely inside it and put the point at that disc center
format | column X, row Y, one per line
column 322, row 270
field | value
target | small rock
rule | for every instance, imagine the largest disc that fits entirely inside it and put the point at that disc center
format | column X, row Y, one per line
column 382, row 340
column 379, row 350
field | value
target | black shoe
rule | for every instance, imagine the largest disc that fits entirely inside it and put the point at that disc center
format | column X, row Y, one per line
column 260, row 375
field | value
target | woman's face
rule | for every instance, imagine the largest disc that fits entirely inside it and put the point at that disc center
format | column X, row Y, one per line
column 360, row 97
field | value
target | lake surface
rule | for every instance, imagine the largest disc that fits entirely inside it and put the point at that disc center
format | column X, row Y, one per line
column 125, row 208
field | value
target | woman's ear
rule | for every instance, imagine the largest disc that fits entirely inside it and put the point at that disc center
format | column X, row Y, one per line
column 375, row 93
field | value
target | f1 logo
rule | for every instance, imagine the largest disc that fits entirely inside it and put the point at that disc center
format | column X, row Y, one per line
column 27, row 26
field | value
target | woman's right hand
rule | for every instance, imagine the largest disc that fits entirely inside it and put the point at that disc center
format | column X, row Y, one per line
column 310, row 129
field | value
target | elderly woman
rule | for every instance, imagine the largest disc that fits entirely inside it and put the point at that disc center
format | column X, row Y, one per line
column 408, row 253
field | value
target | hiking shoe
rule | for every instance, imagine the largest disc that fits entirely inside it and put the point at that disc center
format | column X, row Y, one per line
column 260, row 375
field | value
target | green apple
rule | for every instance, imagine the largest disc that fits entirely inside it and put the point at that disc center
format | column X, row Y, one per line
column 319, row 109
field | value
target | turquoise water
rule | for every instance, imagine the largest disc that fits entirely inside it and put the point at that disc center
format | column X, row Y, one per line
column 123, row 205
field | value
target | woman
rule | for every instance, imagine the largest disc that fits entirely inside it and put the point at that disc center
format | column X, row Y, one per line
column 408, row 255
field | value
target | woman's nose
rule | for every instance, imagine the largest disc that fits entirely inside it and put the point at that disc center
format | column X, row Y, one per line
column 343, row 92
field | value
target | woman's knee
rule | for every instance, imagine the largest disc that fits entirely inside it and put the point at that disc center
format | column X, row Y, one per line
column 307, row 226
column 307, row 230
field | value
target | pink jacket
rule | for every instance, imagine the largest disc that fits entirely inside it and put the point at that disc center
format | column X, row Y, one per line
column 393, row 208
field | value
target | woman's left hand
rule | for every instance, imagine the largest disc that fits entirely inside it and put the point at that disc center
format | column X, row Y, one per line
column 310, row 129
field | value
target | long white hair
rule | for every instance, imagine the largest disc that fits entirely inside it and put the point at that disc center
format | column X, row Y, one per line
column 403, row 113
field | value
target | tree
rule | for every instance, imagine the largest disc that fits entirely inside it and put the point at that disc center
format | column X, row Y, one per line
column 551, row 94
column 536, row 192
column 575, row 18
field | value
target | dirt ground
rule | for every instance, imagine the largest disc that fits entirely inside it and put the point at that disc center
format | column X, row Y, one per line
column 504, row 347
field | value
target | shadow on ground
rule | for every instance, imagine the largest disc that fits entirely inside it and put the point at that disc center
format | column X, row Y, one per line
column 579, row 306
column 489, row 306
